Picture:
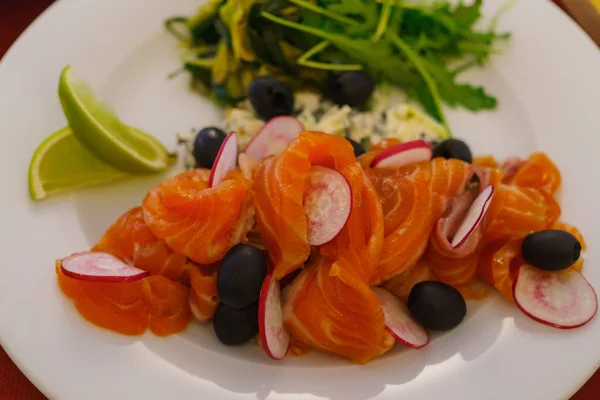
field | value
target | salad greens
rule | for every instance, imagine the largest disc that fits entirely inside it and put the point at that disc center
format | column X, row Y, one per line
column 423, row 47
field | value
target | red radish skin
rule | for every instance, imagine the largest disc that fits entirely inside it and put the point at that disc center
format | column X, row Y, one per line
column 398, row 321
column 226, row 160
column 274, row 338
column 403, row 154
column 560, row 299
column 474, row 216
column 274, row 137
column 327, row 204
column 97, row 266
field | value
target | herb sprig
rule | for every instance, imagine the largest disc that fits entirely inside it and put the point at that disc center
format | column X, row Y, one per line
column 422, row 47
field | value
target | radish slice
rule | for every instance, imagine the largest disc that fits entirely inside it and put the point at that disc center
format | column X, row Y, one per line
column 327, row 204
column 561, row 299
column 99, row 267
column 274, row 137
column 226, row 160
column 474, row 216
column 403, row 154
column 274, row 339
column 398, row 321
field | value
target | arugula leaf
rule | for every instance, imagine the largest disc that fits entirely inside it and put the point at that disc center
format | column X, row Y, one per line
column 377, row 56
column 459, row 94
column 365, row 11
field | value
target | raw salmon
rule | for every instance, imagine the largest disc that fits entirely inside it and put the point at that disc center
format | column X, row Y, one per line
column 326, row 307
column 537, row 172
column 203, row 294
column 498, row 264
column 130, row 308
column 402, row 284
column 457, row 266
column 199, row 222
column 279, row 188
column 413, row 199
column 516, row 211
column 501, row 259
column 130, row 239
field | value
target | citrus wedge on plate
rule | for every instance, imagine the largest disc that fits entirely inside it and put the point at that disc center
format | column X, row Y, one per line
column 62, row 164
column 98, row 128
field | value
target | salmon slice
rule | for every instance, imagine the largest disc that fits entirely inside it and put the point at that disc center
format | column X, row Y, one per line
column 498, row 263
column 130, row 239
column 328, row 309
column 537, row 172
column 501, row 259
column 130, row 308
column 515, row 211
column 199, row 222
column 279, row 190
column 402, row 284
column 485, row 161
column 203, row 294
column 413, row 199
column 457, row 266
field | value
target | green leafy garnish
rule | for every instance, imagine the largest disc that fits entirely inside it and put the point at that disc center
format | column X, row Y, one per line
column 423, row 47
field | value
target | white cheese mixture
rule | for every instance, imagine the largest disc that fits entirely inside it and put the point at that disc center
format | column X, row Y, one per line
column 401, row 121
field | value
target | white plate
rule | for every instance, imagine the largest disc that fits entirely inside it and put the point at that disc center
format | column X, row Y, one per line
column 548, row 84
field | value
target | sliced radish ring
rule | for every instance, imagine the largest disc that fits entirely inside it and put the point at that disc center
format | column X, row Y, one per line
column 474, row 216
column 398, row 321
column 226, row 160
column 403, row 154
column 274, row 137
column 561, row 299
column 100, row 267
column 327, row 204
column 274, row 339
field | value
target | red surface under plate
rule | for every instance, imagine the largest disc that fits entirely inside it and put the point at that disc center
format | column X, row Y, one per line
column 15, row 16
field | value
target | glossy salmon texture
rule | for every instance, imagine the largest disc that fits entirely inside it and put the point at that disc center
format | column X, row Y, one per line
column 203, row 294
column 155, row 303
column 457, row 266
column 130, row 239
column 327, row 308
column 279, row 191
column 413, row 198
column 199, row 222
column 537, row 172
column 402, row 284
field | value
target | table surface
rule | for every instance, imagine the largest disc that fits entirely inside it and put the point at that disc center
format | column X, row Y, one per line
column 15, row 16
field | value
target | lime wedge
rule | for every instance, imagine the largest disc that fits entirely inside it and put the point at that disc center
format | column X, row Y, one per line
column 62, row 164
column 98, row 128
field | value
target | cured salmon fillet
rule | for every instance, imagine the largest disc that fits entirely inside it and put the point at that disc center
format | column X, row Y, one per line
column 279, row 188
column 515, row 211
column 501, row 259
column 130, row 239
column 402, row 284
column 203, row 294
column 537, row 172
column 498, row 264
column 199, row 222
column 130, row 308
column 457, row 266
column 413, row 199
column 326, row 307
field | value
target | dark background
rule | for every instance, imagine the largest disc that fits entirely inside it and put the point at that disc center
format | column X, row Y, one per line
column 15, row 16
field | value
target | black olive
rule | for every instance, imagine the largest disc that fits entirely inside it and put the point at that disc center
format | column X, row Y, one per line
column 358, row 149
column 353, row 88
column 551, row 250
column 206, row 146
column 233, row 326
column 453, row 148
column 240, row 276
column 436, row 305
column 270, row 97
